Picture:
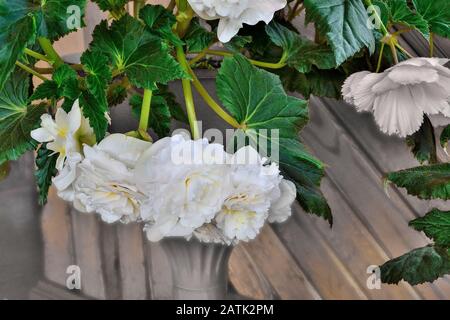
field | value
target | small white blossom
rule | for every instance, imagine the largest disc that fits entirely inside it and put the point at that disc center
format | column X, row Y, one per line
column 184, row 192
column 65, row 134
column 234, row 13
column 106, row 183
column 401, row 95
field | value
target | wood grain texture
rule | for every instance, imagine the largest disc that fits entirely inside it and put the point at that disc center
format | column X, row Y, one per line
column 132, row 262
column 88, row 254
column 57, row 236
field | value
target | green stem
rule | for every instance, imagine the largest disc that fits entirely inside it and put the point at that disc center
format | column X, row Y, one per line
column 267, row 65
column 378, row 18
column 36, row 55
column 298, row 7
column 145, row 110
column 197, row 58
column 211, row 102
column 138, row 4
column 380, row 57
column 394, row 52
column 171, row 5
column 181, row 4
column 53, row 56
column 404, row 50
column 30, row 70
column 189, row 99
column 431, row 45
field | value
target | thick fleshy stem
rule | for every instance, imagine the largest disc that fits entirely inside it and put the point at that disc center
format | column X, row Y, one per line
column 431, row 45
column 36, row 55
column 189, row 99
column 212, row 103
column 51, row 53
column 268, row 65
column 145, row 113
column 30, row 70
column 380, row 57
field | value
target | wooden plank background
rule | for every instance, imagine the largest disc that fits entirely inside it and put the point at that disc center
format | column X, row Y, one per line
column 300, row 259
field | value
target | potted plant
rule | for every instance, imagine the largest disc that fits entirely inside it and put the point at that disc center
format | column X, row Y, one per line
column 203, row 196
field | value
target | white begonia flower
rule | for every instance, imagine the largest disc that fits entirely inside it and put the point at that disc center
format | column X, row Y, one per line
column 401, row 95
column 252, row 189
column 281, row 210
column 234, row 13
column 106, row 182
column 65, row 134
column 184, row 182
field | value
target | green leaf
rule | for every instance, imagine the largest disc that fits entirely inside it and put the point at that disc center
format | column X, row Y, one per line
column 160, row 21
column 320, row 83
column 46, row 170
column 257, row 100
column 198, row 38
column 117, row 93
column 343, row 23
column 423, row 143
column 399, row 12
column 417, row 266
column 238, row 43
column 175, row 108
column 300, row 53
column 96, row 113
column 15, row 35
column 445, row 137
column 47, row 90
column 159, row 114
column 57, row 18
column 436, row 13
column 17, row 117
column 112, row 5
column 426, row 182
column 60, row 86
column 136, row 52
column 98, row 75
column 436, row 225
column 95, row 104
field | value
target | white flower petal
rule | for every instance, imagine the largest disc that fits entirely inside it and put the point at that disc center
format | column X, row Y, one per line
column 409, row 75
column 74, row 117
column 42, row 135
column 397, row 113
column 227, row 29
column 281, row 210
column 123, row 148
column 233, row 13
column 363, row 94
column 350, row 84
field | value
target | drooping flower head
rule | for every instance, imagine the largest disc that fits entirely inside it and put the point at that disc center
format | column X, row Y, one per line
column 234, row 13
column 401, row 95
column 65, row 134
